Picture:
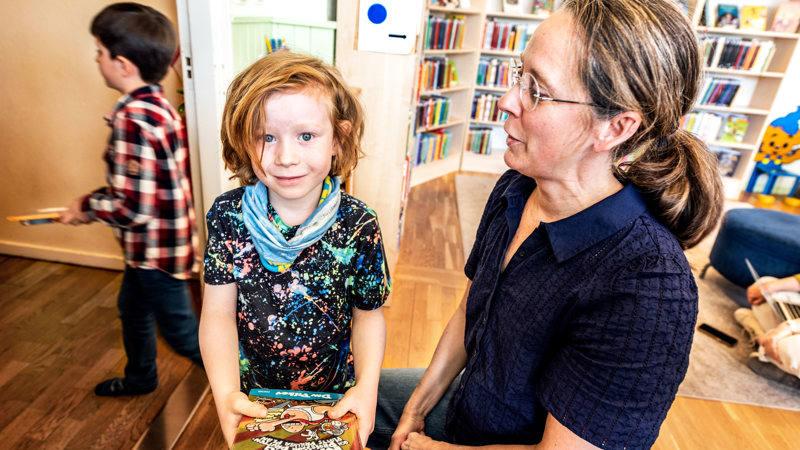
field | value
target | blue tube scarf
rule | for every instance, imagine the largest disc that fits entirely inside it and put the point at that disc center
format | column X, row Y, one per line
column 277, row 254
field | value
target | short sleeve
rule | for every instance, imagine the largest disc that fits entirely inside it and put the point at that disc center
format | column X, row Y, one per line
column 218, row 261
column 615, row 373
column 371, row 282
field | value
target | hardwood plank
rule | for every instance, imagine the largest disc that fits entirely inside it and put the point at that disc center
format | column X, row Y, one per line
column 203, row 432
column 100, row 299
column 61, row 336
column 398, row 333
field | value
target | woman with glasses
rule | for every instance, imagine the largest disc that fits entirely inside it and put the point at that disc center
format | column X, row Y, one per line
column 577, row 323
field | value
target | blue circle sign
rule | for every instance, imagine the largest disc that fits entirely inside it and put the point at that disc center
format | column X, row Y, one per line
column 376, row 13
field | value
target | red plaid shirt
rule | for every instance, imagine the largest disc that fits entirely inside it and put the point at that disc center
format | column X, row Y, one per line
column 148, row 199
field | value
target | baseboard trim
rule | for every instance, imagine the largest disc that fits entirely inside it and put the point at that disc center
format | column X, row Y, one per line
column 62, row 255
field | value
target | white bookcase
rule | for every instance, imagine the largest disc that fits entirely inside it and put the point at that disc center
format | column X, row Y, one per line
column 758, row 89
column 755, row 98
column 466, row 60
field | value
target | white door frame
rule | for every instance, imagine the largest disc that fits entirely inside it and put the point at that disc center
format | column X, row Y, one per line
column 207, row 65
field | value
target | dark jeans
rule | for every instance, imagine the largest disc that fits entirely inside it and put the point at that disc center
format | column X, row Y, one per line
column 150, row 297
column 394, row 390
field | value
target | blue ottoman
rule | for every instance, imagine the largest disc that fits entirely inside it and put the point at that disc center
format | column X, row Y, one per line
column 769, row 239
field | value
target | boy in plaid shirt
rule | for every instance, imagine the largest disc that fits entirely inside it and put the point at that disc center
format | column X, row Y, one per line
column 148, row 199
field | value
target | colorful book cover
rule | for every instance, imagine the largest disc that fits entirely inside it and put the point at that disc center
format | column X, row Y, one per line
column 734, row 128
column 753, row 17
column 683, row 6
column 297, row 420
column 727, row 160
column 787, row 17
column 727, row 16
column 544, row 7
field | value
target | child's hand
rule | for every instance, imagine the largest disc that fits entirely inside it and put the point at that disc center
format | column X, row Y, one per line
column 73, row 214
column 238, row 405
column 360, row 403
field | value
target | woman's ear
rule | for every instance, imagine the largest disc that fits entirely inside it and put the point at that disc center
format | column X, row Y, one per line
column 616, row 130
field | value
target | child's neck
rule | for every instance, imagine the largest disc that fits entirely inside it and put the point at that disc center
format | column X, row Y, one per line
column 129, row 85
column 294, row 212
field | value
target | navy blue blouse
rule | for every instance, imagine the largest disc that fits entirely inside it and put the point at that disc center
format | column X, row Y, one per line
column 592, row 321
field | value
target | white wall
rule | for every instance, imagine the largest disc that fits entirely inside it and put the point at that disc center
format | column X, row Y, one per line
column 312, row 10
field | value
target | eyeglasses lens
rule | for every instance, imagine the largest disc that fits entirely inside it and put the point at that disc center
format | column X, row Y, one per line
column 528, row 86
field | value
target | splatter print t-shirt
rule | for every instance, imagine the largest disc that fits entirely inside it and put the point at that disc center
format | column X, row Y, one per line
column 294, row 326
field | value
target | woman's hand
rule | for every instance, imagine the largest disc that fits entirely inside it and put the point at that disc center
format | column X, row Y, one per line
column 770, row 340
column 771, row 286
column 409, row 424
column 419, row 441
column 360, row 402
column 754, row 295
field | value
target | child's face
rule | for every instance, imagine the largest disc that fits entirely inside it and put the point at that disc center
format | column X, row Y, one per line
column 109, row 67
column 298, row 147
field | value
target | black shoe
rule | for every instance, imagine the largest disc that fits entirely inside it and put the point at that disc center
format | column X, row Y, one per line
column 772, row 372
column 118, row 386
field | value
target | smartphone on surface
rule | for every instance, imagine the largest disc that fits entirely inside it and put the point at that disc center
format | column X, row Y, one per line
column 725, row 338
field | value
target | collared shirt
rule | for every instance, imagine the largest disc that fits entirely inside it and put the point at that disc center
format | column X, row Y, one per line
column 592, row 321
column 148, row 199
column 295, row 325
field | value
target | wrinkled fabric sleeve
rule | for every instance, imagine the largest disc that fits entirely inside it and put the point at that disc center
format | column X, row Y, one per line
column 622, row 355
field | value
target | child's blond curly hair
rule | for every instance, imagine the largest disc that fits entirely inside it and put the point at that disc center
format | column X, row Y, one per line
column 284, row 71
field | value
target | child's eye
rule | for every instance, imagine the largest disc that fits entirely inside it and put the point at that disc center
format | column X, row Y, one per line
column 306, row 137
column 269, row 138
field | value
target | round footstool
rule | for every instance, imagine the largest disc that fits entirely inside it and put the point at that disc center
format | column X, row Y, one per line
column 769, row 239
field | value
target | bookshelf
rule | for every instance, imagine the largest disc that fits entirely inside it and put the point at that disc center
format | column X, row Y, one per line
column 754, row 98
column 471, row 60
column 758, row 86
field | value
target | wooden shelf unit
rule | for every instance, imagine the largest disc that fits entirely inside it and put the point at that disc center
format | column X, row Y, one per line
column 762, row 88
column 758, row 94
column 466, row 60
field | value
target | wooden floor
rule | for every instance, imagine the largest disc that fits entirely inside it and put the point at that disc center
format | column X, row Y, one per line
column 60, row 336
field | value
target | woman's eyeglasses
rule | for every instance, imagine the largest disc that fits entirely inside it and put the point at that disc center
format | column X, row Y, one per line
column 529, row 93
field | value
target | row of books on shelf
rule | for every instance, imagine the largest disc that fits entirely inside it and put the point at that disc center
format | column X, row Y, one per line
column 736, row 53
column 484, row 108
column 432, row 146
column 744, row 16
column 538, row 7
column 727, row 160
column 478, row 139
column 493, row 72
column 506, row 36
column 444, row 32
column 711, row 126
column 718, row 91
column 432, row 110
column 437, row 73
column 274, row 44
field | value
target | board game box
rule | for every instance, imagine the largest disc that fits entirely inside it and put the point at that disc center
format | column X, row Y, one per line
column 296, row 420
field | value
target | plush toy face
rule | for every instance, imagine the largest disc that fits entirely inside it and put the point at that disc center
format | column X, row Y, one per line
column 778, row 147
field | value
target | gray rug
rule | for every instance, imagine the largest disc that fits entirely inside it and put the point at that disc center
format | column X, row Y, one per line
column 716, row 371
